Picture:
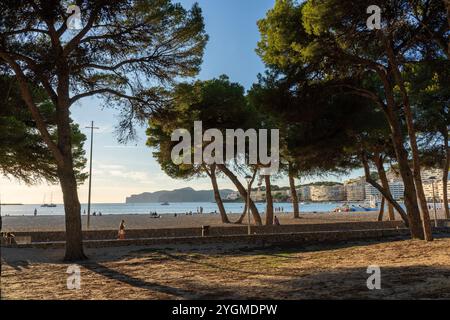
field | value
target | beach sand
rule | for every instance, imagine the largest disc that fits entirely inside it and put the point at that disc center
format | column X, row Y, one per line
column 409, row 270
column 141, row 221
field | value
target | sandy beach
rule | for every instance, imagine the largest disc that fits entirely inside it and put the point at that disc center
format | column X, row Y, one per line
column 409, row 270
column 141, row 221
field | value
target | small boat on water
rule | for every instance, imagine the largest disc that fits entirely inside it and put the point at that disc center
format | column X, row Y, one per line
column 49, row 205
column 165, row 203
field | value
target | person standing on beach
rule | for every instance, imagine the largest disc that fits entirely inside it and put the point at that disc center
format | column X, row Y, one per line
column 35, row 212
column 122, row 230
column 277, row 222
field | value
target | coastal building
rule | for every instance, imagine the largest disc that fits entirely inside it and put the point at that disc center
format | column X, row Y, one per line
column 397, row 189
column 355, row 189
column 433, row 178
column 429, row 174
column 438, row 190
column 260, row 195
column 304, row 193
column 233, row 196
column 327, row 192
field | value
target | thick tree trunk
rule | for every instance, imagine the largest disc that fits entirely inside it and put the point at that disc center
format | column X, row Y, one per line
column 72, row 208
column 413, row 142
column 217, row 197
column 411, row 204
column 269, row 201
column 242, row 191
column 66, row 174
column 392, row 115
column 294, row 195
column 385, row 183
column 386, row 195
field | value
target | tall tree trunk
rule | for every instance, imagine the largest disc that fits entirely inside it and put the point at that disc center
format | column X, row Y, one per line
column 378, row 159
column 269, row 201
column 413, row 142
column 212, row 174
column 66, row 174
column 445, row 174
column 242, row 191
column 387, row 196
column 294, row 195
column 62, row 152
column 72, row 208
column 392, row 114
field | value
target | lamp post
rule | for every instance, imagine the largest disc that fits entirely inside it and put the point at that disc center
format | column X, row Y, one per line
column 90, row 173
column 434, row 201
column 249, row 181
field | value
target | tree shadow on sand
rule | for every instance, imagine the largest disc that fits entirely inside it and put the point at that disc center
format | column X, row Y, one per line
column 138, row 283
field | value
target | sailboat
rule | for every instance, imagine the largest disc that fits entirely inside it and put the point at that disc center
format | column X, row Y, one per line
column 49, row 205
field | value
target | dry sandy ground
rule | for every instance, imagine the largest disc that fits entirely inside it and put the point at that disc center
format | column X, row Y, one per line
column 111, row 222
column 409, row 269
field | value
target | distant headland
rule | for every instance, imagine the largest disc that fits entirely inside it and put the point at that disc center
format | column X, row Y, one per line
column 177, row 195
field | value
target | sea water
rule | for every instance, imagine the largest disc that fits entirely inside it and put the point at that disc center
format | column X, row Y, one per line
column 174, row 207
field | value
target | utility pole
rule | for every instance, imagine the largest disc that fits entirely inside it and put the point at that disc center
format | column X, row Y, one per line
column 90, row 173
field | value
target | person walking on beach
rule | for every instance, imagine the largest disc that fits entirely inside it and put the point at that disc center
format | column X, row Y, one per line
column 35, row 212
column 122, row 230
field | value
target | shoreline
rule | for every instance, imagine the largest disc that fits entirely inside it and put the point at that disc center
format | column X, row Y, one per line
column 145, row 221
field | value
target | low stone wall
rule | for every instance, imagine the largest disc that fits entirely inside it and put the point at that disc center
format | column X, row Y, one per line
column 53, row 236
column 259, row 240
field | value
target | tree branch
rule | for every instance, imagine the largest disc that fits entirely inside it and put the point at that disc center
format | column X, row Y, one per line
column 27, row 96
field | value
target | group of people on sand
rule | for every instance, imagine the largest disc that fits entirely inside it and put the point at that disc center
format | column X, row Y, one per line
column 154, row 214
column 94, row 213
column 199, row 210
column 279, row 209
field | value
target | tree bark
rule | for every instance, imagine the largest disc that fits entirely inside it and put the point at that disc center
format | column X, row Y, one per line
column 392, row 114
column 269, row 202
column 217, row 197
column 72, row 208
column 378, row 159
column 294, row 195
column 413, row 142
column 406, row 218
column 445, row 174
column 242, row 191
column 66, row 174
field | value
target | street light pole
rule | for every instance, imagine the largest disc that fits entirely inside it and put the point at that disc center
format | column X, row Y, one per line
column 434, row 204
column 249, row 181
column 433, row 179
column 90, row 173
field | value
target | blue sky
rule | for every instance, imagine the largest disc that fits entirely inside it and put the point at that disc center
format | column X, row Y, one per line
column 123, row 170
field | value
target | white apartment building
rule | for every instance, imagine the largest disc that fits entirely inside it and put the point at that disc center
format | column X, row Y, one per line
column 233, row 196
column 438, row 190
column 397, row 189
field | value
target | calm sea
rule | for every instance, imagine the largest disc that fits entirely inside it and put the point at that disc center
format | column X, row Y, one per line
column 145, row 208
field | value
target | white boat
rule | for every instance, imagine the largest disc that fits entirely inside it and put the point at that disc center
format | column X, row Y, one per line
column 49, row 205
